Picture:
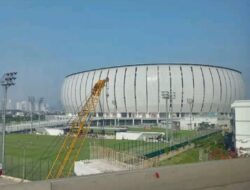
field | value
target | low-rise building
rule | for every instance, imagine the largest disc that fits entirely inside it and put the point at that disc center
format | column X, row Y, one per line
column 241, row 126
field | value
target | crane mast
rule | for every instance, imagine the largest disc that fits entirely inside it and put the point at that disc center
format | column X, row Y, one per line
column 72, row 143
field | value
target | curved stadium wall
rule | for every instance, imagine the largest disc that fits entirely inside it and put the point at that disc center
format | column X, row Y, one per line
column 136, row 89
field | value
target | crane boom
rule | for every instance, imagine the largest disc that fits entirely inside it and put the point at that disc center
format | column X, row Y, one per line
column 72, row 144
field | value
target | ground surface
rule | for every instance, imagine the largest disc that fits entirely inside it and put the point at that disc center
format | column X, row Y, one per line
column 207, row 149
column 7, row 180
column 97, row 166
column 218, row 175
column 158, row 129
column 30, row 156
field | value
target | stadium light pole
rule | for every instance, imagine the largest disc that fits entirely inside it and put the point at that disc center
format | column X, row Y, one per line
column 190, row 101
column 7, row 80
column 114, row 103
column 165, row 95
column 171, row 97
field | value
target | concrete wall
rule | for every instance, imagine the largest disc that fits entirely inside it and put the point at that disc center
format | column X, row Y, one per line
column 228, row 174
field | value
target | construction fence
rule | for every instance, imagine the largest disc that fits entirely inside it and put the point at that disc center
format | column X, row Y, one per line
column 132, row 154
column 26, row 168
column 127, row 160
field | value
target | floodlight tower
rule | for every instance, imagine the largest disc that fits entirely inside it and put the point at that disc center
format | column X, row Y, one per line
column 8, row 80
column 190, row 101
column 172, row 96
column 165, row 95
column 115, row 105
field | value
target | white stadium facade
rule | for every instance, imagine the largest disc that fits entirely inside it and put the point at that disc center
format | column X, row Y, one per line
column 133, row 94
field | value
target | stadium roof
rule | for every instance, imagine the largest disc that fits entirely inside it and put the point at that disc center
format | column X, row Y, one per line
column 150, row 64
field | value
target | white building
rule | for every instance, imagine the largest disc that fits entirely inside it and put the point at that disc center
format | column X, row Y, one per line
column 134, row 91
column 18, row 105
column 242, row 126
column 194, row 124
column 23, row 105
column 43, row 107
column 9, row 104
column 137, row 135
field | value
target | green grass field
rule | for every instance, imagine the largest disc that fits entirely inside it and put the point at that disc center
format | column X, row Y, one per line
column 26, row 154
column 40, row 146
column 192, row 156
column 149, row 129
column 176, row 133
column 31, row 156
column 46, row 147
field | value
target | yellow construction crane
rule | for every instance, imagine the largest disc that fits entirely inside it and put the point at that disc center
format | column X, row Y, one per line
column 70, row 149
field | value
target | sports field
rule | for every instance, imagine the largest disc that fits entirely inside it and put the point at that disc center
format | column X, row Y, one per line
column 30, row 156
column 177, row 133
column 45, row 147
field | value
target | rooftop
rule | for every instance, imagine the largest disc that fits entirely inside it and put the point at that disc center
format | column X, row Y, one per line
column 154, row 64
column 241, row 103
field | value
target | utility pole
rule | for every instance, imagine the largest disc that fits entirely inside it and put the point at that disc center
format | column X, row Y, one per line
column 7, row 80
column 190, row 101
column 31, row 100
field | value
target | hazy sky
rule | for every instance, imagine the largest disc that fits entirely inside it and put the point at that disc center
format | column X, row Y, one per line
column 44, row 40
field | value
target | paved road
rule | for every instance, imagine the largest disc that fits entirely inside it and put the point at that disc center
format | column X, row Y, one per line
column 234, row 186
column 7, row 181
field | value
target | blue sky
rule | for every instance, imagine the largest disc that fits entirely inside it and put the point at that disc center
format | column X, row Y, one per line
column 45, row 40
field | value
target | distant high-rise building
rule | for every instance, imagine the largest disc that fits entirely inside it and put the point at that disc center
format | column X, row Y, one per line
column 18, row 106
column 23, row 105
column 9, row 104
column 44, row 107
column 36, row 107
column 26, row 106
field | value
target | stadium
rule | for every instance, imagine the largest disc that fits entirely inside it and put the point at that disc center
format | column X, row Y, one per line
column 133, row 94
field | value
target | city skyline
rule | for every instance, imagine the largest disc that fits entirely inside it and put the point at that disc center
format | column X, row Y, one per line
column 25, row 105
column 45, row 41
